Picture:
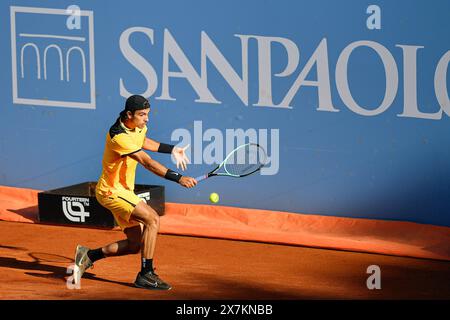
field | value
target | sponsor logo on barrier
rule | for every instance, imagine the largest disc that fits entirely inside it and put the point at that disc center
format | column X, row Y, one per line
column 145, row 196
column 79, row 215
column 53, row 63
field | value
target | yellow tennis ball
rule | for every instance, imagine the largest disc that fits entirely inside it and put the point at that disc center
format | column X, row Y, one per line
column 214, row 197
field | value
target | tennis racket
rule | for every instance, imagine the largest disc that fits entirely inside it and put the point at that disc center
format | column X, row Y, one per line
column 242, row 161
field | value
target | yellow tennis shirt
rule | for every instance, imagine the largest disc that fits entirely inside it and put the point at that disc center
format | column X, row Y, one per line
column 118, row 168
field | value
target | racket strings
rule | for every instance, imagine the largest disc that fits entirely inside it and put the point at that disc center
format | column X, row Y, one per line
column 245, row 160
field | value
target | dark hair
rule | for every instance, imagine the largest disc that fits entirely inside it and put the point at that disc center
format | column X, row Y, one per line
column 123, row 115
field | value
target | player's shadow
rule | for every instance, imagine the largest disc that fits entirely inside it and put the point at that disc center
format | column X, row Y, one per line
column 12, row 248
column 53, row 271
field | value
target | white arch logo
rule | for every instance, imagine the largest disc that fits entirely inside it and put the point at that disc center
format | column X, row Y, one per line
column 60, row 55
column 75, row 215
column 64, row 51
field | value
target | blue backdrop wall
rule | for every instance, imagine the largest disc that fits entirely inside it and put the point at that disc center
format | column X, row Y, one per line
column 350, row 98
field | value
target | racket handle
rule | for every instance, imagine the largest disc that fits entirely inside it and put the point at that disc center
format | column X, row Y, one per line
column 203, row 177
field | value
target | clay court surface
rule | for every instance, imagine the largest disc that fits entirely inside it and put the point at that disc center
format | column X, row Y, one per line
column 34, row 259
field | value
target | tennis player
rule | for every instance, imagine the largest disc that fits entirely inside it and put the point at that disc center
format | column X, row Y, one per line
column 124, row 147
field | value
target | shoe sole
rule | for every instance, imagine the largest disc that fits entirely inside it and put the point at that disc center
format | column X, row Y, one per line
column 150, row 288
column 76, row 274
column 76, row 269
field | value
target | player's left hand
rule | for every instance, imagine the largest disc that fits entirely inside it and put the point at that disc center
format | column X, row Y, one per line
column 180, row 157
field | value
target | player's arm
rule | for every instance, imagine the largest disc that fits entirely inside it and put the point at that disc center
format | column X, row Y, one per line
column 151, row 145
column 178, row 153
column 157, row 168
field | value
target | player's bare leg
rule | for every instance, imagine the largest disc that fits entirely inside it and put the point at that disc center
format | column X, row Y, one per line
column 131, row 245
column 139, row 238
column 148, row 217
column 85, row 258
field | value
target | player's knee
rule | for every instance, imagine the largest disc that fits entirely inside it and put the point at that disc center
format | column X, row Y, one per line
column 152, row 219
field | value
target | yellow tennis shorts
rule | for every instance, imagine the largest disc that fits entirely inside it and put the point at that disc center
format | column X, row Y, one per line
column 121, row 204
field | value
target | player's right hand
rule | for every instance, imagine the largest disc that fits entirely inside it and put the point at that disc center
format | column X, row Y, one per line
column 188, row 182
